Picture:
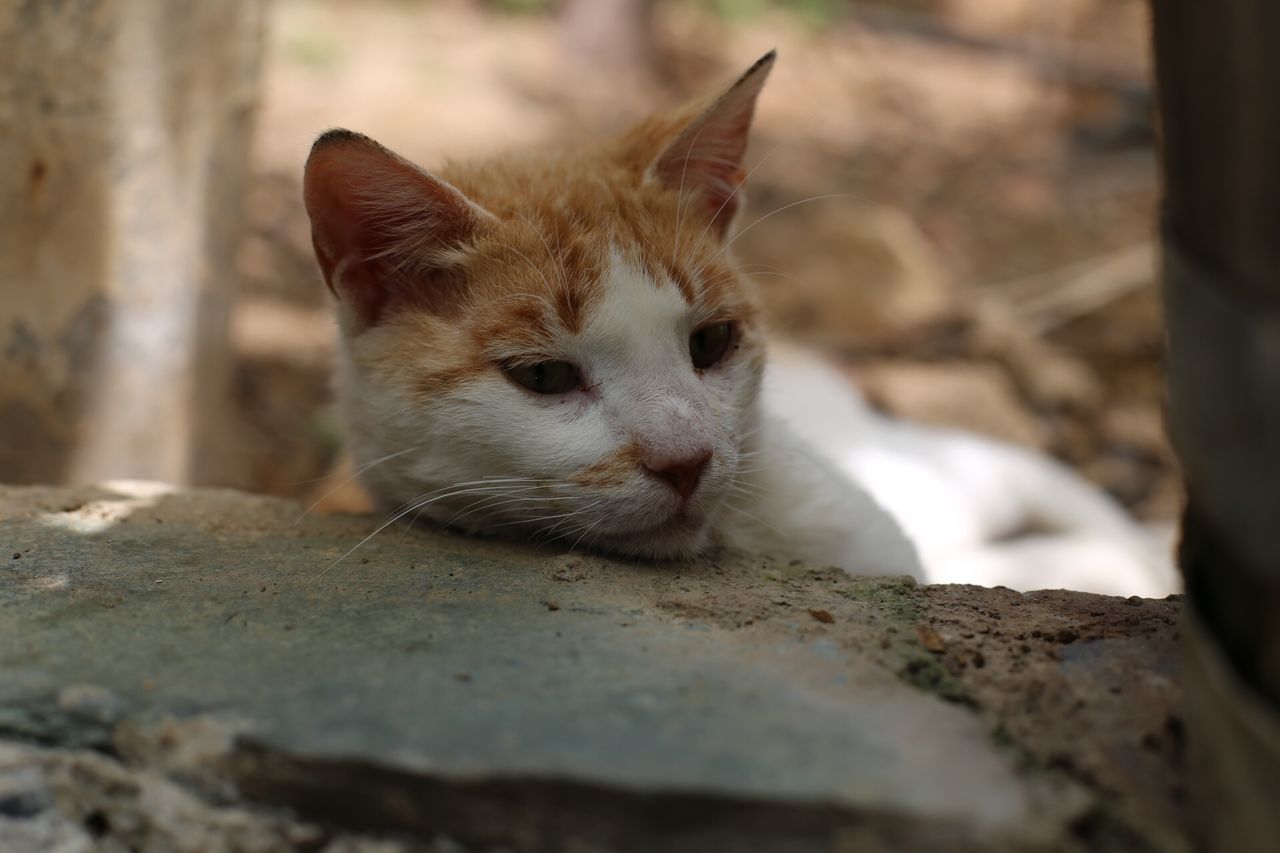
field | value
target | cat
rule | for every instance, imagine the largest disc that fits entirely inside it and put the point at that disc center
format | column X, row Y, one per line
column 557, row 347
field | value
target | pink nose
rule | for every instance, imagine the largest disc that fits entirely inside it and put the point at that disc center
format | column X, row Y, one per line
column 683, row 474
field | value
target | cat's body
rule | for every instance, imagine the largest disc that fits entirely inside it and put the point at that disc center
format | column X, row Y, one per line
column 979, row 511
column 558, row 348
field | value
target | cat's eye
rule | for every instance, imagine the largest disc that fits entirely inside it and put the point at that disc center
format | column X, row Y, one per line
column 545, row 377
column 709, row 344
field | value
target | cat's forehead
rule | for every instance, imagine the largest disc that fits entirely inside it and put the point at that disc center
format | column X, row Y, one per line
column 567, row 248
column 586, row 199
column 607, row 289
column 633, row 303
column 566, row 182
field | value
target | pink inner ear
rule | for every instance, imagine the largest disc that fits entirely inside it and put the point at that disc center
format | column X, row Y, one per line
column 720, row 200
column 380, row 226
column 706, row 161
column 706, row 157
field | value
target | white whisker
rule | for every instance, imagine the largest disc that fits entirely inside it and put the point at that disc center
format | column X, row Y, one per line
column 356, row 473
column 728, row 243
column 729, row 197
column 757, row 520
column 396, row 516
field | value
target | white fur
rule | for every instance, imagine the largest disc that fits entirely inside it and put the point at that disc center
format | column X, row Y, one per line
column 964, row 499
column 796, row 504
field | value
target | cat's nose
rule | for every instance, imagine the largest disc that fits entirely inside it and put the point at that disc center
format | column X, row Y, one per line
column 682, row 474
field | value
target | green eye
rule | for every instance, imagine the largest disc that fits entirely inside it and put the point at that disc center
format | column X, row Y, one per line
column 545, row 377
column 709, row 344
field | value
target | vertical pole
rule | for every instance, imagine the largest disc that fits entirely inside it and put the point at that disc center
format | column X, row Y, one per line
column 1220, row 102
column 124, row 130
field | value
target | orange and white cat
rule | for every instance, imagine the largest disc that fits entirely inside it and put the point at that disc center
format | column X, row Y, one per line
column 557, row 347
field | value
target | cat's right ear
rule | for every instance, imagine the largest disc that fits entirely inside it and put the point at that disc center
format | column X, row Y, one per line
column 705, row 159
column 385, row 232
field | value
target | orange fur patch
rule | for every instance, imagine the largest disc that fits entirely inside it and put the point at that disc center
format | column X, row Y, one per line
column 613, row 470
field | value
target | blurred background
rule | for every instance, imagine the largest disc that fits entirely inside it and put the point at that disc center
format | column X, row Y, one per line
column 981, row 257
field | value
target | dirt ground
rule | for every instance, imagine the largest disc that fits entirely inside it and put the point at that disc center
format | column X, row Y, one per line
column 953, row 198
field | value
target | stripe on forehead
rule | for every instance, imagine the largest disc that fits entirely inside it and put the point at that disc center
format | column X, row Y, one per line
column 656, row 246
column 661, row 270
column 540, row 275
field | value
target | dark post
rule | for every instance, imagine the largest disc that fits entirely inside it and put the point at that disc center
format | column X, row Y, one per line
column 1219, row 81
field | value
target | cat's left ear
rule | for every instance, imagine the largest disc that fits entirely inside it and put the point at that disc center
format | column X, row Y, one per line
column 386, row 234
column 705, row 159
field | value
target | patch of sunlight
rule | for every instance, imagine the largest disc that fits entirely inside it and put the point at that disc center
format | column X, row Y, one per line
column 140, row 489
column 98, row 515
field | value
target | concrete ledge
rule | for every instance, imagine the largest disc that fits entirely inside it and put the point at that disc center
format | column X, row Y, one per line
column 476, row 694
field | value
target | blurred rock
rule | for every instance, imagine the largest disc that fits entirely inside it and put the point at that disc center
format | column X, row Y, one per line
column 998, row 17
column 974, row 396
column 866, row 274
column 1127, row 477
column 1166, row 500
column 97, row 803
column 1050, row 378
column 1135, row 426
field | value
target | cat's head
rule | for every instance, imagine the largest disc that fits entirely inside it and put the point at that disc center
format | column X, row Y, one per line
column 554, row 346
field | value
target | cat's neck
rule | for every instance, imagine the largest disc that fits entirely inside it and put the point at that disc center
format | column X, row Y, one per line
column 788, row 501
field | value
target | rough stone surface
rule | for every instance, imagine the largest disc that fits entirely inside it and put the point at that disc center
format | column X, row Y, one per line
column 208, row 669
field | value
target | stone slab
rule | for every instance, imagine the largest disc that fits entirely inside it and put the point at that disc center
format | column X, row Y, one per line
column 437, row 685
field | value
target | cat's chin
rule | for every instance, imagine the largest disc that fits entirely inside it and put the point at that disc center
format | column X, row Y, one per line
column 677, row 538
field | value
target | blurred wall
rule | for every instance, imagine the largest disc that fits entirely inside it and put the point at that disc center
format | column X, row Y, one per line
column 124, row 132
